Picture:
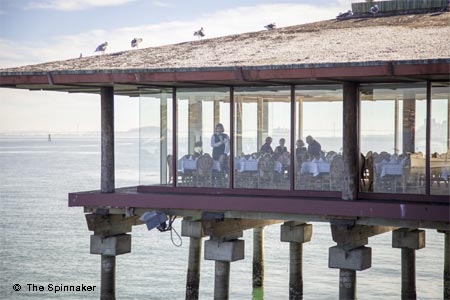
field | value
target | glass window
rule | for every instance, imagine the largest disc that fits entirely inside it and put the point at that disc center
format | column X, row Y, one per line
column 262, row 137
column 392, row 138
column 318, row 126
column 203, row 137
column 155, row 146
column 440, row 139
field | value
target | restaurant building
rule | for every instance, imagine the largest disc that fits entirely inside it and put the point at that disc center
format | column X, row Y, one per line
column 373, row 92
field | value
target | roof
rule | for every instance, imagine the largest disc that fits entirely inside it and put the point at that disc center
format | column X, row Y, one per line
column 365, row 42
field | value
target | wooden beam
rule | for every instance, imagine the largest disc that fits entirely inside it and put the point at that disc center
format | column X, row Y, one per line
column 229, row 226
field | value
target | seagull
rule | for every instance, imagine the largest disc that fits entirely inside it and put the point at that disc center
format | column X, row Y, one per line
column 199, row 33
column 374, row 10
column 135, row 42
column 270, row 26
column 81, row 55
column 345, row 15
column 102, row 47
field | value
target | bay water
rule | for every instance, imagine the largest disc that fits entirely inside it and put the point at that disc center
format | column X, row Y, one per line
column 43, row 241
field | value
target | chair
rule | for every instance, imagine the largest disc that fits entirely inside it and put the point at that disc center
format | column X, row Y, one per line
column 336, row 173
column 203, row 174
column 265, row 172
column 368, row 171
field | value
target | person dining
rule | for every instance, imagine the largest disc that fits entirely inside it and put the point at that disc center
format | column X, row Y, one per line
column 266, row 147
column 301, row 153
column 314, row 148
column 281, row 149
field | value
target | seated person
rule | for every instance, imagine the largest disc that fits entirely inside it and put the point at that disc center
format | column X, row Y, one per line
column 314, row 148
column 280, row 149
column 301, row 153
column 266, row 148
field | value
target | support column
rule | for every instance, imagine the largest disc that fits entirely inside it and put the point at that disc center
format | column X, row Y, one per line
column 350, row 254
column 109, row 240
column 296, row 234
column 258, row 263
column 108, row 278
column 446, row 264
column 193, row 230
column 107, row 137
column 350, row 142
column 223, row 250
column 409, row 240
column 195, row 122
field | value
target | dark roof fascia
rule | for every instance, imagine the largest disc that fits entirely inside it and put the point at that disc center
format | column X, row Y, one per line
column 231, row 68
column 244, row 73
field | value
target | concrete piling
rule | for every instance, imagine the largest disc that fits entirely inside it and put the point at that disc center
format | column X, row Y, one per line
column 296, row 234
column 347, row 284
column 193, row 273
column 409, row 240
column 108, row 278
column 258, row 258
column 446, row 292
column 295, row 271
column 221, row 280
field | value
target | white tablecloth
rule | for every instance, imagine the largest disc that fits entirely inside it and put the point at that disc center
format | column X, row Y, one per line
column 186, row 164
column 315, row 167
column 389, row 168
column 244, row 165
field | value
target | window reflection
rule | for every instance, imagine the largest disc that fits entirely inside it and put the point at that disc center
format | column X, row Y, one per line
column 202, row 137
column 319, row 163
column 155, row 118
column 262, row 138
column 393, row 137
column 440, row 139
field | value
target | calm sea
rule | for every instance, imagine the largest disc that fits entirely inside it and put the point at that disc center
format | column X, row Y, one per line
column 44, row 242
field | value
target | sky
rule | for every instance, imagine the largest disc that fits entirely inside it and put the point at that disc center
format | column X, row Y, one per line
column 36, row 31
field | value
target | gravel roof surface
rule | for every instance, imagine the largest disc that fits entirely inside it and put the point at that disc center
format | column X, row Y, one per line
column 406, row 37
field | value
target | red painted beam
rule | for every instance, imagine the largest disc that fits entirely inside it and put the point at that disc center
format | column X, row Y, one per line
column 304, row 206
column 387, row 69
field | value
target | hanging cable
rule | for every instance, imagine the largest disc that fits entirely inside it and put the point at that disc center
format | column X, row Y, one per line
column 168, row 227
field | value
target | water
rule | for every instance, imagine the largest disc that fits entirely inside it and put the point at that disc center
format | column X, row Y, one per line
column 45, row 242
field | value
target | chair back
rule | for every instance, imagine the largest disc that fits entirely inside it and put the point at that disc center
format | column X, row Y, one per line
column 265, row 167
column 204, row 165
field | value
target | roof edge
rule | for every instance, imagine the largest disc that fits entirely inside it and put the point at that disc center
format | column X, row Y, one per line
column 233, row 68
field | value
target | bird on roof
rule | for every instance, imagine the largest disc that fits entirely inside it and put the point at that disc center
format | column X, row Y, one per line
column 102, row 47
column 374, row 10
column 199, row 33
column 270, row 26
column 81, row 55
column 135, row 42
column 345, row 15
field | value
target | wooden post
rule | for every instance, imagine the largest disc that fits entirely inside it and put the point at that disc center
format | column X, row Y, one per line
column 193, row 273
column 295, row 271
column 195, row 122
column 258, row 262
column 408, row 274
column 347, row 284
column 163, row 140
column 238, row 129
column 259, row 120
column 216, row 107
column 221, row 280
column 396, row 121
column 107, row 137
column 300, row 118
column 108, row 278
column 409, row 121
column 351, row 147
